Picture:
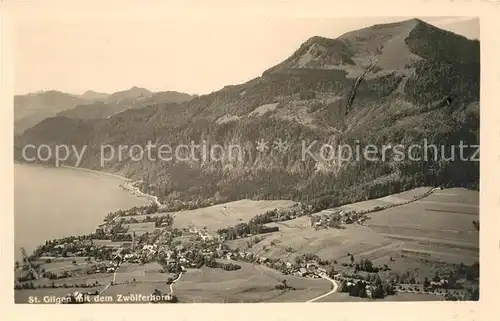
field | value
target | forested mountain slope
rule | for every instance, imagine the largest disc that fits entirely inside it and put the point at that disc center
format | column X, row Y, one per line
column 425, row 85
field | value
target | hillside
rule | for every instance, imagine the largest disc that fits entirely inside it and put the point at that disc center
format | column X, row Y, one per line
column 425, row 85
column 93, row 95
column 132, row 93
column 33, row 108
column 123, row 100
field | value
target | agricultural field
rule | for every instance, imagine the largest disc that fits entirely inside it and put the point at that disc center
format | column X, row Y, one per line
column 329, row 244
column 252, row 283
column 147, row 277
column 150, row 272
column 394, row 199
column 64, row 286
column 439, row 225
column 140, row 228
column 418, row 237
column 221, row 215
column 61, row 264
column 436, row 228
column 227, row 214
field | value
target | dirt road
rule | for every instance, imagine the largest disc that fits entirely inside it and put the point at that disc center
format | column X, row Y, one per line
column 173, row 282
column 334, row 289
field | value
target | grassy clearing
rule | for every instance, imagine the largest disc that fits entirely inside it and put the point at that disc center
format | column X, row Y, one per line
column 140, row 228
column 411, row 230
column 227, row 214
column 150, row 272
column 101, row 278
column 252, row 283
column 393, row 199
column 64, row 264
column 440, row 224
column 460, row 195
column 329, row 244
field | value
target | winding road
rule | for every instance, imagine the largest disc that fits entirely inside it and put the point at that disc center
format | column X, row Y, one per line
column 173, row 282
column 114, row 279
column 111, row 282
column 334, row 289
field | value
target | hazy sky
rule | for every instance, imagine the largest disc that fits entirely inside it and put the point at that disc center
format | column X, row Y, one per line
column 196, row 56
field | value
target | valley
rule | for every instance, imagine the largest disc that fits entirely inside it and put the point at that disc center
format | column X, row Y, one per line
column 271, row 226
column 286, row 265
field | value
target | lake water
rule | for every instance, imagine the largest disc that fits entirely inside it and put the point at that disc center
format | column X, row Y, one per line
column 56, row 202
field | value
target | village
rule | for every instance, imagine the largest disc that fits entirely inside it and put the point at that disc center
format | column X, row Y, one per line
column 139, row 236
column 124, row 239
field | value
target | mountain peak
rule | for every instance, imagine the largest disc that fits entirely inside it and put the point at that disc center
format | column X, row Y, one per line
column 139, row 90
column 91, row 92
column 94, row 95
column 132, row 93
column 396, row 46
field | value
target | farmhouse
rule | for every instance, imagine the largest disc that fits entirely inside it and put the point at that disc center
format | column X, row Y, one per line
column 263, row 259
column 369, row 292
column 269, row 229
column 132, row 258
column 439, row 283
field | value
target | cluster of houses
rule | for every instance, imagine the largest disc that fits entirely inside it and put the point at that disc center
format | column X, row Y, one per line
column 309, row 269
column 201, row 246
column 205, row 236
column 439, row 284
column 68, row 247
column 103, row 267
column 131, row 258
column 209, row 246
column 204, row 246
column 370, row 289
column 336, row 218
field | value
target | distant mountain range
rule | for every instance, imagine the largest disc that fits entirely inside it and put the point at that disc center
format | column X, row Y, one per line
column 32, row 108
column 424, row 85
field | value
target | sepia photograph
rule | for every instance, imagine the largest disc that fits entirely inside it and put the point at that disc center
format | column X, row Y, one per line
column 252, row 160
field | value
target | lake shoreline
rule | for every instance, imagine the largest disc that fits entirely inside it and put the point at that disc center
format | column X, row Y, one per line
column 128, row 186
column 95, row 171
column 110, row 196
